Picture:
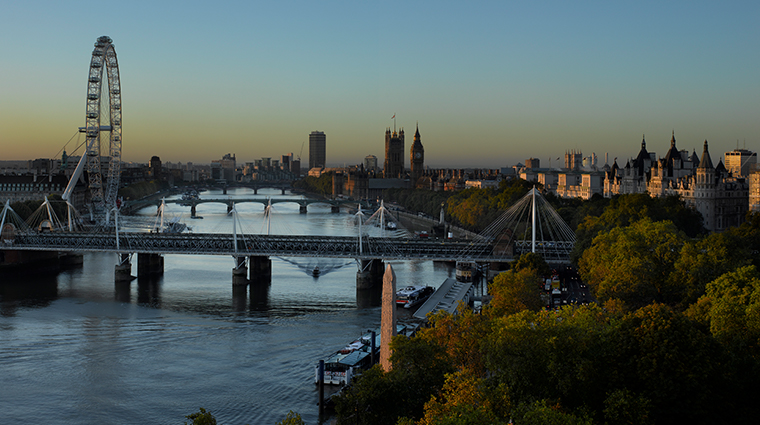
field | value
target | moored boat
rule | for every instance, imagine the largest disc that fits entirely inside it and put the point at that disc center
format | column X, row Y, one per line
column 351, row 360
column 413, row 295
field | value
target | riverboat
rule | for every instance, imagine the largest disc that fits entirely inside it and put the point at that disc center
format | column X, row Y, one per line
column 351, row 360
column 190, row 195
column 413, row 295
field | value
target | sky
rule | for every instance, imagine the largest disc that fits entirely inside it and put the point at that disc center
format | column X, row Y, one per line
column 489, row 83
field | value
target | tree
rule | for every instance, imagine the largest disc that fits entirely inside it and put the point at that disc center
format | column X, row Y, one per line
column 542, row 413
column 533, row 261
column 321, row 185
column 626, row 408
column 292, row 419
column 731, row 309
column 467, row 399
column 661, row 354
column 372, row 399
column 461, row 336
column 704, row 260
column 514, row 291
column 624, row 210
column 558, row 356
column 202, row 417
column 633, row 264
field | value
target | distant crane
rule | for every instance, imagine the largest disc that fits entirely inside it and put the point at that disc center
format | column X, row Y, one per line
column 299, row 153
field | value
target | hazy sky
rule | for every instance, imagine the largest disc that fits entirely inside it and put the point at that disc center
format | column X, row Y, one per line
column 490, row 83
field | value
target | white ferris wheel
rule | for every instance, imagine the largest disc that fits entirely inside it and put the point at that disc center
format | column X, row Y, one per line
column 102, row 157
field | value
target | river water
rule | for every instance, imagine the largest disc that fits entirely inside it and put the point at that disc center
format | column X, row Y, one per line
column 76, row 348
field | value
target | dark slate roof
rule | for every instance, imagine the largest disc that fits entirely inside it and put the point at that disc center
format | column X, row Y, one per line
column 705, row 162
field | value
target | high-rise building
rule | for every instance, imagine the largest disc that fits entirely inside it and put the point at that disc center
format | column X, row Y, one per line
column 573, row 160
column 317, row 149
column 394, row 154
column 370, row 163
column 155, row 167
column 740, row 161
column 417, row 158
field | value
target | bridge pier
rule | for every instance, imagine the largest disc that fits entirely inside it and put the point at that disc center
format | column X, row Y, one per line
column 370, row 273
column 149, row 265
column 239, row 274
column 283, row 190
column 255, row 190
column 335, row 209
column 224, row 190
column 123, row 270
column 261, row 269
column 192, row 209
column 302, row 209
column 229, row 207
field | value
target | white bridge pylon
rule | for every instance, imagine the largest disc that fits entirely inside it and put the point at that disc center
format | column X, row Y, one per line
column 530, row 225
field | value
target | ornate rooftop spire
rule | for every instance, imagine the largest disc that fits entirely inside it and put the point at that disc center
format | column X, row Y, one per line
column 705, row 162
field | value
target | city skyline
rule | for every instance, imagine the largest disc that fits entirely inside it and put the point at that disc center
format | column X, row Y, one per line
column 491, row 84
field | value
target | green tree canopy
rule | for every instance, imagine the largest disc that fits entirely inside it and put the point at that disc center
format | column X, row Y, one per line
column 624, row 210
column 633, row 264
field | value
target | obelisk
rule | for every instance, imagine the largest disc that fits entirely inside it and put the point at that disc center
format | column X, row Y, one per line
column 387, row 318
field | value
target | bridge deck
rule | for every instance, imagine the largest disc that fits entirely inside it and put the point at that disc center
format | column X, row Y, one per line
column 254, row 245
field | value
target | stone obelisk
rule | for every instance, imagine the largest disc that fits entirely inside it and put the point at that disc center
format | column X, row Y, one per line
column 387, row 317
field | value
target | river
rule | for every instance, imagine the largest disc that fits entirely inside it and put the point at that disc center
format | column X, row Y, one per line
column 76, row 348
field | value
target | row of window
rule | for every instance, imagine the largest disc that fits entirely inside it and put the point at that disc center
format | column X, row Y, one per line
column 27, row 187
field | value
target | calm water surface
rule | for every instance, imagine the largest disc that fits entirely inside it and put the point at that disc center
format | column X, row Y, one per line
column 77, row 348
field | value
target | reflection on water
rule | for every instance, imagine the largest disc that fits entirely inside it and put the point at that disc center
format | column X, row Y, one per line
column 78, row 348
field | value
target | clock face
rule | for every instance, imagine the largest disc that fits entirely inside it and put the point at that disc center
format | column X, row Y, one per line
column 418, row 155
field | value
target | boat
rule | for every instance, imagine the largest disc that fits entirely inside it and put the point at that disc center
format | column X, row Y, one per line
column 190, row 195
column 351, row 360
column 315, row 272
column 413, row 295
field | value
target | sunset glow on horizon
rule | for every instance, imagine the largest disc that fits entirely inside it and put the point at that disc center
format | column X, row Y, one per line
column 490, row 83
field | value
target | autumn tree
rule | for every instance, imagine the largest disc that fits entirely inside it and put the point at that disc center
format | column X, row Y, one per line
column 467, row 399
column 533, row 261
column 514, row 291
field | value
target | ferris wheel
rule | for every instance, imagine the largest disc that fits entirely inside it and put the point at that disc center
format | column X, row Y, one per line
column 102, row 158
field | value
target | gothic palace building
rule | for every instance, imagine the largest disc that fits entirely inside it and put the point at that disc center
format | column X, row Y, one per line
column 720, row 196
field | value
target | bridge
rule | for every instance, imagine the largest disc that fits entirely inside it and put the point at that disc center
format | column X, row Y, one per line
column 335, row 204
column 255, row 245
column 501, row 242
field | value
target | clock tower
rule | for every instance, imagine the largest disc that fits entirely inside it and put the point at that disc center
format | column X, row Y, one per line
column 417, row 158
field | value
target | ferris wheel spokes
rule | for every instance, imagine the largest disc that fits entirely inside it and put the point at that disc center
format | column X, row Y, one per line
column 101, row 117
